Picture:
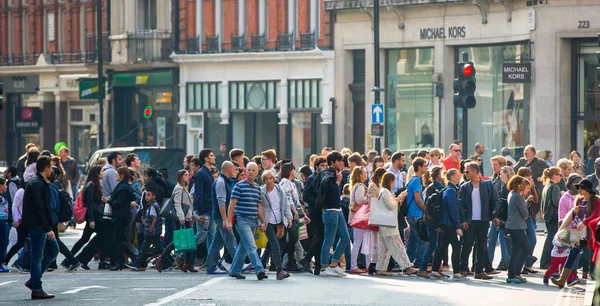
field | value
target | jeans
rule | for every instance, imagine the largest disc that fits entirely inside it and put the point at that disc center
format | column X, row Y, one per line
column 552, row 228
column 475, row 235
column 4, row 231
column 43, row 252
column 431, row 247
column 274, row 244
column 246, row 227
column 145, row 250
column 203, row 231
column 532, row 242
column 221, row 238
column 415, row 247
column 334, row 222
column 520, row 252
column 494, row 232
column 445, row 237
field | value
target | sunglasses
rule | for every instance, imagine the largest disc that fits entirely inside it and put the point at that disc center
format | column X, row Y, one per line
column 457, row 151
column 479, row 160
column 466, row 172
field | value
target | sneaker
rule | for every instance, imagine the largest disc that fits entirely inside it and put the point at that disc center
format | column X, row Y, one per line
column 546, row 281
column 18, row 267
column 305, row 265
column 281, row 275
column 438, row 275
column 260, row 275
column 247, row 268
column 85, row 267
column 73, row 267
column 482, row 276
column 514, row 281
column 459, row 277
column 64, row 264
column 423, row 274
column 329, row 272
column 136, row 269
column 445, row 268
column 573, row 282
column 3, row 269
column 339, row 271
column 396, row 269
column 130, row 265
column 217, row 271
column 227, row 266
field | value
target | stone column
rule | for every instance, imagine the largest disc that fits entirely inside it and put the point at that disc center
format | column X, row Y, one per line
column 283, row 110
column 225, row 102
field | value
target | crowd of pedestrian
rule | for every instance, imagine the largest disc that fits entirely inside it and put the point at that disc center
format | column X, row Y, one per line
column 344, row 212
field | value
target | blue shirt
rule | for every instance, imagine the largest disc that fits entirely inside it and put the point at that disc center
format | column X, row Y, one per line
column 248, row 198
column 414, row 186
column 398, row 182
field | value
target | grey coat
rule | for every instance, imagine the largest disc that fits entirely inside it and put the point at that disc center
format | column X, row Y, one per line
column 284, row 214
column 517, row 212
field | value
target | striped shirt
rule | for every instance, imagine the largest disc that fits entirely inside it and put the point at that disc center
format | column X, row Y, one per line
column 248, row 198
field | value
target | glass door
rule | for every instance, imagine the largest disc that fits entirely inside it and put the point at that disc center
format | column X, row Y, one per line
column 587, row 109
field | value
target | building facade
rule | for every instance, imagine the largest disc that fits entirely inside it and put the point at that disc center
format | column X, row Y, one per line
column 552, row 107
column 256, row 75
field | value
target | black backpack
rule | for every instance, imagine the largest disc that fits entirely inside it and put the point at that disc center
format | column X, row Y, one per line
column 433, row 207
column 501, row 212
column 66, row 206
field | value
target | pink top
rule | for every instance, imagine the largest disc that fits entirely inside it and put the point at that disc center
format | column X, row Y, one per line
column 566, row 203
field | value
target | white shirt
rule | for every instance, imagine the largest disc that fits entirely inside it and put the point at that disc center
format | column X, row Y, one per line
column 275, row 206
column 476, row 201
column 398, row 182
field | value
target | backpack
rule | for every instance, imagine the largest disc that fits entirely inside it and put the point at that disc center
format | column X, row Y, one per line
column 501, row 212
column 65, row 213
column 422, row 230
column 79, row 210
column 433, row 207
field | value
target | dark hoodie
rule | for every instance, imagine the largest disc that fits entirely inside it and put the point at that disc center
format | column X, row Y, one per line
column 120, row 201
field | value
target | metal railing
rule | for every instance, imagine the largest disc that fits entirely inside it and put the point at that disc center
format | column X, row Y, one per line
column 19, row 59
column 285, row 42
column 238, row 43
column 57, row 58
column 257, row 43
column 149, row 46
column 213, row 44
column 91, row 48
column 192, row 45
column 307, row 41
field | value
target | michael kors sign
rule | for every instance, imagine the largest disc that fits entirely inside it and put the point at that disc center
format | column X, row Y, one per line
column 443, row 33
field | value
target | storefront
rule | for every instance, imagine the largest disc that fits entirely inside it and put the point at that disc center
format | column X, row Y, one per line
column 258, row 101
column 144, row 108
column 553, row 108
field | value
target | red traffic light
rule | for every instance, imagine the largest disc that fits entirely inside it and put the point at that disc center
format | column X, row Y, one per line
column 467, row 70
column 148, row 112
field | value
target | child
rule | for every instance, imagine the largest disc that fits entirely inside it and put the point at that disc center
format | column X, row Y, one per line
column 152, row 230
column 559, row 256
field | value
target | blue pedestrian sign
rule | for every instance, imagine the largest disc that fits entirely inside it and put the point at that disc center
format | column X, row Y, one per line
column 377, row 115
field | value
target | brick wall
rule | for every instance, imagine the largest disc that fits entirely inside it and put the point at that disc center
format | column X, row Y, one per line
column 4, row 27
column 208, row 20
column 230, row 22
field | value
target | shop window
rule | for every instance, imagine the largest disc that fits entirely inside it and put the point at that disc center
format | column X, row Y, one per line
column 260, row 95
column 204, row 96
column 305, row 94
column 215, row 133
column 501, row 116
column 587, row 105
column 306, row 137
column 409, row 99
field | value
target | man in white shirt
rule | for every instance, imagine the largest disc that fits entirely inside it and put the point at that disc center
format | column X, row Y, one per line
column 398, row 162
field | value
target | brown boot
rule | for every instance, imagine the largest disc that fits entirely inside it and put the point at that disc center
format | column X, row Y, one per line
column 40, row 295
column 190, row 268
column 563, row 278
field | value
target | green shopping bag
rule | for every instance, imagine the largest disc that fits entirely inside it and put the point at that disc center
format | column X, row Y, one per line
column 184, row 240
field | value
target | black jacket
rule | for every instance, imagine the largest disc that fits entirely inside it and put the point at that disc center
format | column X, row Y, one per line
column 120, row 201
column 93, row 202
column 324, row 178
column 489, row 200
column 36, row 204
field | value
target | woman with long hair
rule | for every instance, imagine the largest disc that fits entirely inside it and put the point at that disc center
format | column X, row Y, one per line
column 433, row 226
column 121, row 200
column 91, row 195
column 531, row 198
column 30, row 170
column 359, row 197
column 549, row 209
column 391, row 244
column 183, row 204
column 61, row 182
column 516, row 227
column 592, row 154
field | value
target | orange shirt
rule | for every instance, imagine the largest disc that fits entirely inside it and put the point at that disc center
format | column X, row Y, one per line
column 449, row 163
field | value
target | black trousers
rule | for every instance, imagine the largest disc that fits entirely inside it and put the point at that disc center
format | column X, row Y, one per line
column 447, row 237
column 85, row 238
column 21, row 237
column 552, row 228
column 171, row 246
column 319, row 236
column 290, row 247
column 475, row 235
column 118, row 239
column 149, row 241
column 520, row 252
column 62, row 247
column 99, row 243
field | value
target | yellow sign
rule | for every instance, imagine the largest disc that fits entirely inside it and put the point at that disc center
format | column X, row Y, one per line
column 141, row 79
column 164, row 97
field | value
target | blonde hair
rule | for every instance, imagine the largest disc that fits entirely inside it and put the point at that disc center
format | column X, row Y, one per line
column 267, row 174
column 549, row 173
column 355, row 176
column 564, row 163
column 499, row 159
column 509, row 172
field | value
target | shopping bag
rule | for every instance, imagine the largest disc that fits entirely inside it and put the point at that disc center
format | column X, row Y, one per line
column 260, row 238
column 361, row 219
column 302, row 231
column 184, row 240
column 107, row 213
column 380, row 215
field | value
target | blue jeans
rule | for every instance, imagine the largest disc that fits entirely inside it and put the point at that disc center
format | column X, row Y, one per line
column 415, row 246
column 43, row 252
column 334, row 222
column 493, row 239
column 348, row 251
column 532, row 241
column 221, row 238
column 4, row 232
column 204, row 231
column 246, row 226
column 431, row 247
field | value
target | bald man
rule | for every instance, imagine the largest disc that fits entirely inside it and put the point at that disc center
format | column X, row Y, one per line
column 221, row 196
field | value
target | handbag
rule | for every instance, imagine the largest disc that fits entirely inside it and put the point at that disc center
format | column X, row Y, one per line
column 107, row 213
column 169, row 212
column 380, row 215
column 184, row 240
column 302, row 231
column 361, row 219
column 422, row 230
column 280, row 229
column 260, row 238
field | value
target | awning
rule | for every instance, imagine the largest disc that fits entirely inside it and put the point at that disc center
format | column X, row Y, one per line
column 142, row 79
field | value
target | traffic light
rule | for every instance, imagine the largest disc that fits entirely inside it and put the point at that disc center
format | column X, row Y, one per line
column 464, row 86
column 148, row 111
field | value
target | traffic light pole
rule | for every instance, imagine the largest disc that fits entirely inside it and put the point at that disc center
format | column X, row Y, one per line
column 465, row 128
column 100, row 73
column 376, row 59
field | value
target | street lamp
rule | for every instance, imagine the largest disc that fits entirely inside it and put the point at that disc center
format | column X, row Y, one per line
column 377, row 89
